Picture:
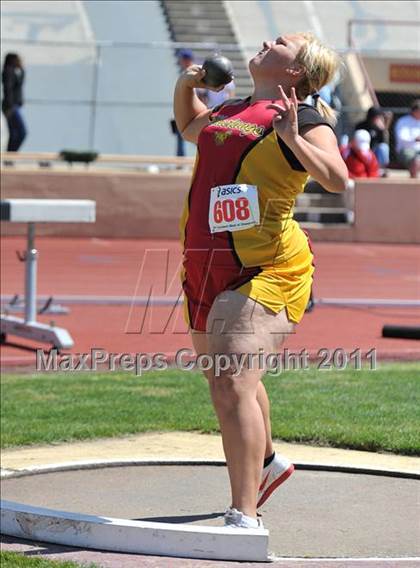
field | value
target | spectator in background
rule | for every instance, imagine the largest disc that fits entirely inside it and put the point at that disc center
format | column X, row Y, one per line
column 361, row 162
column 377, row 123
column 185, row 60
column 407, row 140
column 13, row 76
column 214, row 98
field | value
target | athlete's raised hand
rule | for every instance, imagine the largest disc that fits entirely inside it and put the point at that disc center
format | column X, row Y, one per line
column 285, row 122
column 193, row 77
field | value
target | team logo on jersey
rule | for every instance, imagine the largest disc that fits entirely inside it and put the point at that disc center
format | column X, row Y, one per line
column 221, row 137
column 244, row 128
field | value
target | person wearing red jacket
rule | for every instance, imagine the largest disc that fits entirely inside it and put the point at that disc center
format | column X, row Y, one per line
column 360, row 160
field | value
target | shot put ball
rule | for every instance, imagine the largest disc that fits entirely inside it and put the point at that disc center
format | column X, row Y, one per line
column 219, row 71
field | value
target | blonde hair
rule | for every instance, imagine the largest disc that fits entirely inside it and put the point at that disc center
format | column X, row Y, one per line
column 321, row 64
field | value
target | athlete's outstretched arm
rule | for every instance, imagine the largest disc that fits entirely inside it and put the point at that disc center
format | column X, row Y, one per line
column 191, row 114
column 316, row 149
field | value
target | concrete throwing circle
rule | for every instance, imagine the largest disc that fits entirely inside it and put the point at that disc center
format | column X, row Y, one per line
column 314, row 514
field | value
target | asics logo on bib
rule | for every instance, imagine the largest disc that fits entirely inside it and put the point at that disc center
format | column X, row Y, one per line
column 229, row 190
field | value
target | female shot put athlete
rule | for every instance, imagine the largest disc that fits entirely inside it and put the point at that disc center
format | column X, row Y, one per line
column 247, row 264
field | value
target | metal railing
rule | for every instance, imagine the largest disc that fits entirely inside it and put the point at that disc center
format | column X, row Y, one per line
column 351, row 24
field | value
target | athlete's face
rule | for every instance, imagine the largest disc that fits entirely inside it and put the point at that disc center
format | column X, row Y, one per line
column 277, row 56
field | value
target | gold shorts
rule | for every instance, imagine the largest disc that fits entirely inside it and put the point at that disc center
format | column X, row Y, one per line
column 284, row 286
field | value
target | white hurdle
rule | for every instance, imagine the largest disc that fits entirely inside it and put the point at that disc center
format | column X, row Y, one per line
column 33, row 211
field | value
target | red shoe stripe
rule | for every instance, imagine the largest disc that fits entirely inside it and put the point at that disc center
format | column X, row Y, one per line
column 274, row 485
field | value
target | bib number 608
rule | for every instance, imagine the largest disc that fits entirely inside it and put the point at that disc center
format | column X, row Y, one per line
column 229, row 209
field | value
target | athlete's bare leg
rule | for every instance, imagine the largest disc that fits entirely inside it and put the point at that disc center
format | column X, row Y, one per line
column 237, row 324
column 199, row 339
column 263, row 401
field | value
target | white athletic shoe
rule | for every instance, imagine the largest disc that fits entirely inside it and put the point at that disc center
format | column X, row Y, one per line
column 237, row 520
column 272, row 476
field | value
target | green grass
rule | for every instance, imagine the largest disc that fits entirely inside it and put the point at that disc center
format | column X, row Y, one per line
column 15, row 560
column 367, row 410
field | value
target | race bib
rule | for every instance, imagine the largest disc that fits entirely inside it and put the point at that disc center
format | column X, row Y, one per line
column 233, row 207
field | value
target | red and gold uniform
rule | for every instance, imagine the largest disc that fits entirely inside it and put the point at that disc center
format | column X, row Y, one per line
column 270, row 262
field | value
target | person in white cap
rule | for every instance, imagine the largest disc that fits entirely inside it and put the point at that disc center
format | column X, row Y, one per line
column 360, row 160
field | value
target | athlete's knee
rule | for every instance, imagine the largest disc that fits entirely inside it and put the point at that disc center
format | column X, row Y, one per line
column 224, row 398
column 227, row 390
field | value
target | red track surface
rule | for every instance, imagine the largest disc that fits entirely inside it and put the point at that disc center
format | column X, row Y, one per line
column 130, row 267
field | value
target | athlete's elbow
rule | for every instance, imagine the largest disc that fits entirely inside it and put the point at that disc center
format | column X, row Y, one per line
column 339, row 180
column 340, row 185
column 188, row 133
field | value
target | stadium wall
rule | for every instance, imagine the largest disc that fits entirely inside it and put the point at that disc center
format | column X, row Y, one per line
column 144, row 205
